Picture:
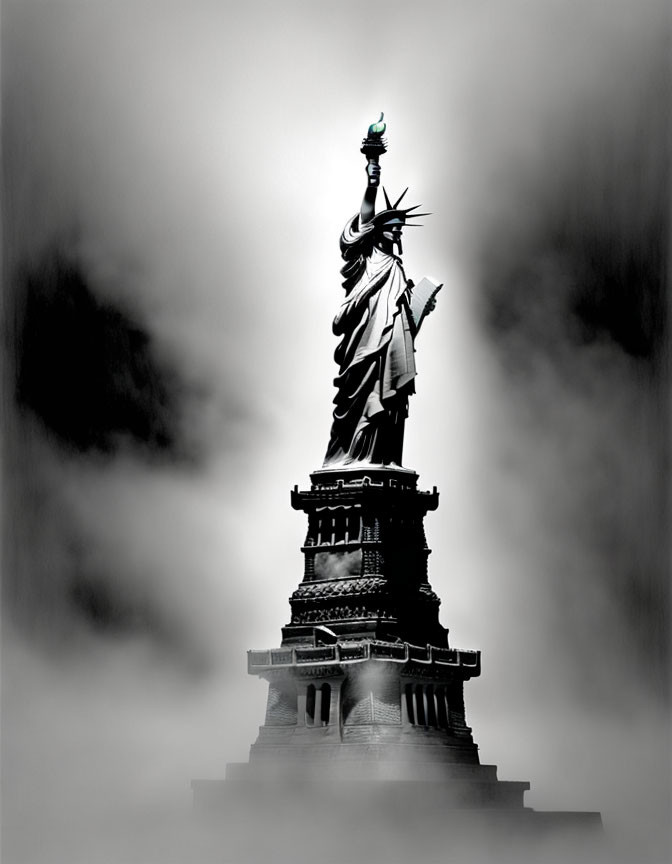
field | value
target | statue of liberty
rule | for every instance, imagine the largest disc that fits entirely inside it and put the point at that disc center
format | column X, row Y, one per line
column 377, row 322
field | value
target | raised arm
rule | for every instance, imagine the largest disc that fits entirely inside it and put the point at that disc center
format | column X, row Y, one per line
column 368, row 208
column 373, row 146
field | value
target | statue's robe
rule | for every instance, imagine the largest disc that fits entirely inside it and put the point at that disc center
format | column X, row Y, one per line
column 375, row 355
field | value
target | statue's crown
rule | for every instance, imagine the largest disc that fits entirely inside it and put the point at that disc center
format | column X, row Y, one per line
column 395, row 215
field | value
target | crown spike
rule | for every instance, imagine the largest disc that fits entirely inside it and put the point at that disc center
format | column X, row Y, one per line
column 398, row 201
column 387, row 200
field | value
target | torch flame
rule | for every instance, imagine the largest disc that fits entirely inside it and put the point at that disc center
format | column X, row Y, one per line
column 379, row 127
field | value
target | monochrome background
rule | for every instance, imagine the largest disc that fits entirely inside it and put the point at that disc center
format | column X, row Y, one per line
column 176, row 176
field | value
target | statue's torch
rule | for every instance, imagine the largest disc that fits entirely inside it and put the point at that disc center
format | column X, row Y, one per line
column 373, row 146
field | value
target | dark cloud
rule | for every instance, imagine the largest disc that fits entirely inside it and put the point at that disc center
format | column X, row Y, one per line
column 89, row 372
column 595, row 246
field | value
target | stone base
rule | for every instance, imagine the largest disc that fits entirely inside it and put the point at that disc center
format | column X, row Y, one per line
column 472, row 818
column 449, row 786
column 376, row 746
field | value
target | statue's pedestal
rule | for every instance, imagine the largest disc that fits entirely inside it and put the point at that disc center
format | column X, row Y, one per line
column 365, row 754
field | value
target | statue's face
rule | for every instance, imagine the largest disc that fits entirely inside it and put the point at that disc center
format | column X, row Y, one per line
column 391, row 238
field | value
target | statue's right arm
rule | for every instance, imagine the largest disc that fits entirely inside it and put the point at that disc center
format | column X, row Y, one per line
column 368, row 207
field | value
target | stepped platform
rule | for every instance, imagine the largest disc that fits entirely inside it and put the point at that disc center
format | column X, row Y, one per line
column 277, row 814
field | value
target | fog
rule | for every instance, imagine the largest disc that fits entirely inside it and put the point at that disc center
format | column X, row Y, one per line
column 176, row 176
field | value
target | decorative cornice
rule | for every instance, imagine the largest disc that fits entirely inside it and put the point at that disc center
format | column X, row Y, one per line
column 338, row 588
column 436, row 661
column 426, row 589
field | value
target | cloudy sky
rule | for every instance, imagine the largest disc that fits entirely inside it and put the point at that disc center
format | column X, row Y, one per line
column 176, row 178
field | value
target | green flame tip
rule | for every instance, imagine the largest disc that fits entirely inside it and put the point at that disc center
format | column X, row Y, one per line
column 379, row 127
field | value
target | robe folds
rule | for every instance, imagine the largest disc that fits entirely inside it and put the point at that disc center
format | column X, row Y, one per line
column 375, row 355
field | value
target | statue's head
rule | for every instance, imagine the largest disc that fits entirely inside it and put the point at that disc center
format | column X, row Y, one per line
column 389, row 224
